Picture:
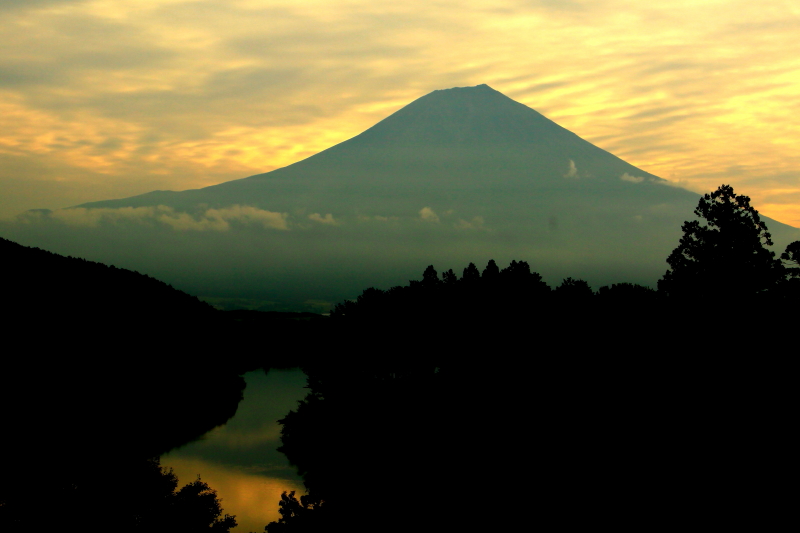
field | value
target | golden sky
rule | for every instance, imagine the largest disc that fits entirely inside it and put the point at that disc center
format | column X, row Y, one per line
column 103, row 99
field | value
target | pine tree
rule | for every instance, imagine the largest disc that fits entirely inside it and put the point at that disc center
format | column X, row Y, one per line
column 726, row 256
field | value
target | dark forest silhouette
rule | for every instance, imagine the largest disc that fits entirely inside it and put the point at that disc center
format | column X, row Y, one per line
column 488, row 401
column 478, row 401
column 103, row 370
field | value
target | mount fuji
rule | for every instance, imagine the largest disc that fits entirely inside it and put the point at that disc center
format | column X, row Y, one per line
column 459, row 175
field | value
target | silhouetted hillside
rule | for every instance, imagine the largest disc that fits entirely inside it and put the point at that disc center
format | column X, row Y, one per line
column 41, row 284
column 102, row 369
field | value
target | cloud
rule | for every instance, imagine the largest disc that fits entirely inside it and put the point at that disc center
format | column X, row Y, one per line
column 186, row 222
column 475, row 223
column 428, row 215
column 631, row 179
column 11, row 5
column 81, row 216
column 375, row 218
column 685, row 184
column 573, row 170
column 208, row 220
column 327, row 219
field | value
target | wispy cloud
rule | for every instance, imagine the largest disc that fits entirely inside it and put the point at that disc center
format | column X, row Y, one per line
column 327, row 219
column 375, row 218
column 207, row 220
column 475, row 223
column 632, row 179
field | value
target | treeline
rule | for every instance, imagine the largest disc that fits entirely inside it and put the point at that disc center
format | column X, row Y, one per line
column 490, row 402
column 508, row 294
column 724, row 259
column 721, row 274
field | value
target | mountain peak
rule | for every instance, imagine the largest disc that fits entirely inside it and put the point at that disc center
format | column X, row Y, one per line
column 462, row 139
column 460, row 123
column 481, row 91
column 481, row 87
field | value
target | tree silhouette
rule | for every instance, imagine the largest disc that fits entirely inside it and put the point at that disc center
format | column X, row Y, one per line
column 627, row 293
column 195, row 507
column 574, row 290
column 791, row 286
column 449, row 277
column 430, row 278
column 471, row 274
column 298, row 516
column 725, row 257
column 792, row 257
column 491, row 272
column 518, row 271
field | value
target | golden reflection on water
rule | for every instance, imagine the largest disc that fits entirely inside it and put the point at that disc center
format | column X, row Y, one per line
column 239, row 460
column 252, row 497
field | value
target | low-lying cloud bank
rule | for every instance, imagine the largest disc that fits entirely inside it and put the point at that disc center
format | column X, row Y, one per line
column 631, row 179
column 678, row 184
column 203, row 220
column 292, row 256
column 219, row 219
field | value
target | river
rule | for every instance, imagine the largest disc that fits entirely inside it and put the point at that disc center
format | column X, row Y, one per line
column 239, row 460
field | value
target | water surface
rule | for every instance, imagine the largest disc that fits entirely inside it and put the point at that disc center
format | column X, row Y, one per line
column 240, row 459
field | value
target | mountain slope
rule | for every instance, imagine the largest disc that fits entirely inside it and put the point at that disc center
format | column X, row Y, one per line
column 450, row 144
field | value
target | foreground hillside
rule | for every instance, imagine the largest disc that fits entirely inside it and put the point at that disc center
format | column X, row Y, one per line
column 104, row 369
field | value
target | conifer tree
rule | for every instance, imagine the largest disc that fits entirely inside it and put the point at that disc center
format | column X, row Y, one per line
column 722, row 254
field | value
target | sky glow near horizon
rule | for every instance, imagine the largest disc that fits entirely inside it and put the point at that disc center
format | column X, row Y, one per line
column 105, row 99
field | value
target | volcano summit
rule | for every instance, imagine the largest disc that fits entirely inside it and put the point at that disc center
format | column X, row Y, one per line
column 457, row 176
column 444, row 148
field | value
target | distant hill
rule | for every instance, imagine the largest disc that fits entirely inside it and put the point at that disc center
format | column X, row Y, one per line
column 44, row 285
column 459, row 175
